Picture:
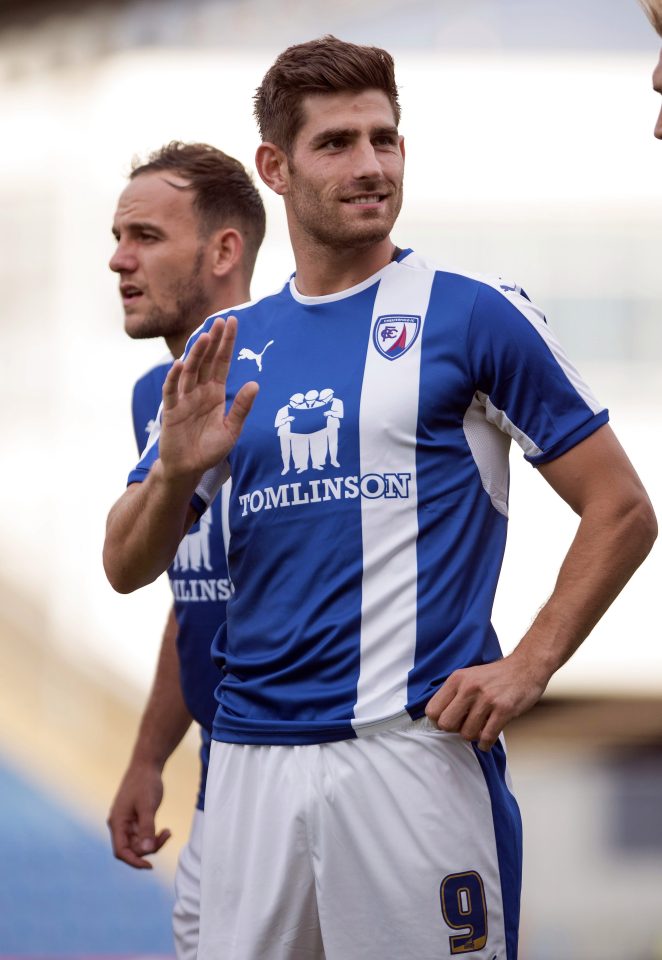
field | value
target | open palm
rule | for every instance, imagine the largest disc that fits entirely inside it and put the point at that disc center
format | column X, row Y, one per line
column 197, row 433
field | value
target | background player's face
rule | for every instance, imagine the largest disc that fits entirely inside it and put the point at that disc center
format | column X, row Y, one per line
column 160, row 258
column 345, row 170
column 657, row 86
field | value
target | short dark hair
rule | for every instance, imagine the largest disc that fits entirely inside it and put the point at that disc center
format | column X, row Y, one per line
column 224, row 193
column 325, row 65
column 653, row 9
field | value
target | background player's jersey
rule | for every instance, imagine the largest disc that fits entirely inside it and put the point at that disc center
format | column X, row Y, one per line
column 370, row 492
column 198, row 579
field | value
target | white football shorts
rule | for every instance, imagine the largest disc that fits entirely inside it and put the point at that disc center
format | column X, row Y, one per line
column 401, row 845
column 186, row 912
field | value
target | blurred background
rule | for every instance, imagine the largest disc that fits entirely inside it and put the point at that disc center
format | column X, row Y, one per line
column 529, row 154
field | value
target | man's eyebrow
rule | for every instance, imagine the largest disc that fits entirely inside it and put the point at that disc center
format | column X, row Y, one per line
column 333, row 133
column 347, row 133
column 139, row 226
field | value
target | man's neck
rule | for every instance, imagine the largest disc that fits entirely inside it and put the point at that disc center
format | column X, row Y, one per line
column 177, row 343
column 321, row 271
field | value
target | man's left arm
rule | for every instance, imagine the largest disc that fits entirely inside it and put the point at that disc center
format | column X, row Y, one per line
column 616, row 532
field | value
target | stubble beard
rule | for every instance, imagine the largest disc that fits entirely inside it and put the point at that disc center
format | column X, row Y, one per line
column 189, row 308
column 331, row 232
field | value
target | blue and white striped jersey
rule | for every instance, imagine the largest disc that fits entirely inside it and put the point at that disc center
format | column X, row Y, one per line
column 367, row 519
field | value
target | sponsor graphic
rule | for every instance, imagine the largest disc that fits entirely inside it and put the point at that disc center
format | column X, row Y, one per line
column 246, row 354
column 395, row 333
column 202, row 591
column 307, row 429
column 193, row 553
column 371, row 486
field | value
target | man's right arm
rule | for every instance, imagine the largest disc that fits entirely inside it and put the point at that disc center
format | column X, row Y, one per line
column 144, row 529
column 149, row 520
column 164, row 722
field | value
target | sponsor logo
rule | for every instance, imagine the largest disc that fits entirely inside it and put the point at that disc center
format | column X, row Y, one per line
column 246, row 354
column 193, row 553
column 371, row 486
column 201, row 591
column 307, row 428
column 395, row 333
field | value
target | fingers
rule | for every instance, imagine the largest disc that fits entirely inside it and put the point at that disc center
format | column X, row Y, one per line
column 171, row 385
column 461, row 706
column 206, row 366
column 241, row 407
column 160, row 839
column 129, row 856
column 442, row 698
column 123, row 839
column 209, row 358
column 132, row 843
column 489, row 734
column 223, row 358
column 195, row 361
column 146, row 829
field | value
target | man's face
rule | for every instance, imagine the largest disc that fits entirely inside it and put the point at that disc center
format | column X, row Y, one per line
column 159, row 258
column 657, row 86
column 346, row 169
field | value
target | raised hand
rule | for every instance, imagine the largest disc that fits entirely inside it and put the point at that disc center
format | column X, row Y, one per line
column 197, row 433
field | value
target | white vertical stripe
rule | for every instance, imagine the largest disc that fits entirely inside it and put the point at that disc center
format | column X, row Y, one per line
column 489, row 448
column 155, row 431
column 226, row 492
column 388, row 423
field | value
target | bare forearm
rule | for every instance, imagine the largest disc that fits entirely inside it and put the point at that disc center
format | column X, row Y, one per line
column 166, row 717
column 164, row 722
column 144, row 529
column 611, row 542
column 616, row 532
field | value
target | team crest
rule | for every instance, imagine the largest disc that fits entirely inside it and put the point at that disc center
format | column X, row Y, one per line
column 395, row 333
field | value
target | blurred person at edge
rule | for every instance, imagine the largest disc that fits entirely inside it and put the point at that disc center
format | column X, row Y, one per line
column 188, row 228
column 653, row 10
column 358, row 801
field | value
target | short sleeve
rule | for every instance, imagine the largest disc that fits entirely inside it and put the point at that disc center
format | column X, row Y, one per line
column 527, row 384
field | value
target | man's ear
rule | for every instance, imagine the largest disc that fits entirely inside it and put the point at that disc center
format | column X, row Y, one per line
column 271, row 164
column 227, row 247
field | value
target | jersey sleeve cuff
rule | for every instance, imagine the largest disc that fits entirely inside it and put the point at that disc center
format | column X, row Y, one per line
column 137, row 475
column 571, row 440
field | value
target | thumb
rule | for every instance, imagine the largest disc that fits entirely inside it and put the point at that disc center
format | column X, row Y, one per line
column 241, row 407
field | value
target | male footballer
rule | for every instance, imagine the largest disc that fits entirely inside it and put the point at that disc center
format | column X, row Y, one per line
column 358, row 802
column 188, row 227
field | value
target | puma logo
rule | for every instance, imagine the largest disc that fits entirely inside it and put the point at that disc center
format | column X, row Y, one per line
column 246, row 354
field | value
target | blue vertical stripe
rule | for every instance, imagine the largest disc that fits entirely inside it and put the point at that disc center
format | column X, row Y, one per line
column 508, row 832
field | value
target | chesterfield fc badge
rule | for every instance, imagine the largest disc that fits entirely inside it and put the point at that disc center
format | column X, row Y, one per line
column 394, row 334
